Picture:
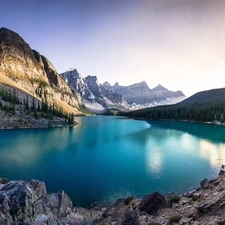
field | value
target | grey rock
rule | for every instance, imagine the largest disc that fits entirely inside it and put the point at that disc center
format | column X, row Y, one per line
column 16, row 198
column 130, row 219
column 185, row 220
column 185, row 200
column 196, row 196
column 52, row 205
column 208, row 204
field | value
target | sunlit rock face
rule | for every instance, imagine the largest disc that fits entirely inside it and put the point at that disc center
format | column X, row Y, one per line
column 140, row 95
column 31, row 70
column 90, row 89
column 75, row 81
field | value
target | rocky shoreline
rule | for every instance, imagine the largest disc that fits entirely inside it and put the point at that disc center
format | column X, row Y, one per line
column 22, row 121
column 28, row 203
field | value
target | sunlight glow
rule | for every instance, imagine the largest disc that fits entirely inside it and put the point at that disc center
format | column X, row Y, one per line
column 214, row 153
column 154, row 160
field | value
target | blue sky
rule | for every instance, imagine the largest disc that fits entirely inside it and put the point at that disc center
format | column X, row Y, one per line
column 177, row 43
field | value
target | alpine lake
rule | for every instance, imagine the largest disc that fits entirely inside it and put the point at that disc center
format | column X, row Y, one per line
column 107, row 157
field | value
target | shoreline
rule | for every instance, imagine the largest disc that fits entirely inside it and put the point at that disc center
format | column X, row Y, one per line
column 33, row 205
column 188, row 121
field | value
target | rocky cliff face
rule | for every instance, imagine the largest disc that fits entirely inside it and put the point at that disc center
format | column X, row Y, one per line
column 76, row 82
column 31, row 71
column 28, row 203
column 93, row 94
column 140, row 95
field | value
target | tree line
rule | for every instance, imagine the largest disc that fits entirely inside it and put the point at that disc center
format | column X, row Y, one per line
column 207, row 112
column 37, row 108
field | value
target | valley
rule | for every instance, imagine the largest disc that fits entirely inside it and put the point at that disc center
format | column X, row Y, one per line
column 107, row 157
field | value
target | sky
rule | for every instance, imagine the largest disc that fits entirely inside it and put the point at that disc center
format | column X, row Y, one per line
column 179, row 44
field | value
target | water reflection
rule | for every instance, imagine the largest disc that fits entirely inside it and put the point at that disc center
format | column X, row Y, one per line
column 154, row 160
column 214, row 153
column 106, row 158
column 211, row 132
column 183, row 140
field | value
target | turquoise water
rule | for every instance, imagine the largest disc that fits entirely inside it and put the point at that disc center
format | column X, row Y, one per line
column 110, row 157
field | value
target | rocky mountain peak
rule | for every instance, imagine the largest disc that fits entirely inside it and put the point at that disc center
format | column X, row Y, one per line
column 116, row 85
column 31, row 71
column 10, row 36
column 159, row 87
column 106, row 84
column 93, row 78
column 95, row 96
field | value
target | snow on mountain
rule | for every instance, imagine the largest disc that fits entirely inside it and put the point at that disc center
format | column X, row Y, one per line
column 139, row 95
column 94, row 96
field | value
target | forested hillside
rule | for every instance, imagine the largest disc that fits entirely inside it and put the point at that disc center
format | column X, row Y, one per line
column 207, row 106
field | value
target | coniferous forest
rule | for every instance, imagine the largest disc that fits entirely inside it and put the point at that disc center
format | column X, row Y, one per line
column 206, row 106
column 9, row 99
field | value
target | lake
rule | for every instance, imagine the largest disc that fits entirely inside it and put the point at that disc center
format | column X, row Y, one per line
column 109, row 157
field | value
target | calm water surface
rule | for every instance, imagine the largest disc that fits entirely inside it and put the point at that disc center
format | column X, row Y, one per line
column 110, row 157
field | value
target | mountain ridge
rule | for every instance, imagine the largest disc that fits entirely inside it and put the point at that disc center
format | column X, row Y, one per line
column 28, row 70
column 140, row 95
column 93, row 94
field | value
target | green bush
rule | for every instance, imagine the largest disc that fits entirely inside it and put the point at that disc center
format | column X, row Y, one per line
column 174, row 198
column 128, row 200
column 175, row 219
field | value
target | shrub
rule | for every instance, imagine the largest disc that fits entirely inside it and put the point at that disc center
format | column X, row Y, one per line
column 128, row 200
column 175, row 219
column 174, row 198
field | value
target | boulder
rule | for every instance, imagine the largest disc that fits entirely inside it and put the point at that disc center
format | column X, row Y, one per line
column 151, row 203
column 16, row 199
column 222, row 172
column 196, row 196
column 3, row 180
column 221, row 222
column 130, row 219
column 204, row 183
column 209, row 203
column 52, row 206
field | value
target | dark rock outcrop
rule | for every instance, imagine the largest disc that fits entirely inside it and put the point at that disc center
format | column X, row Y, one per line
column 204, row 183
column 151, row 203
column 3, row 180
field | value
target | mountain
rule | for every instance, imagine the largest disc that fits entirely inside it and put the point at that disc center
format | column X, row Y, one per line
column 209, row 96
column 94, row 95
column 205, row 106
column 140, row 95
column 29, row 71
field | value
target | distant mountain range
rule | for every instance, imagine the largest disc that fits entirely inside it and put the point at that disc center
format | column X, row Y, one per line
column 205, row 106
column 97, row 96
column 139, row 95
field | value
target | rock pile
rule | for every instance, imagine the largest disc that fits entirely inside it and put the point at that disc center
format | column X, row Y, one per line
column 27, row 203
